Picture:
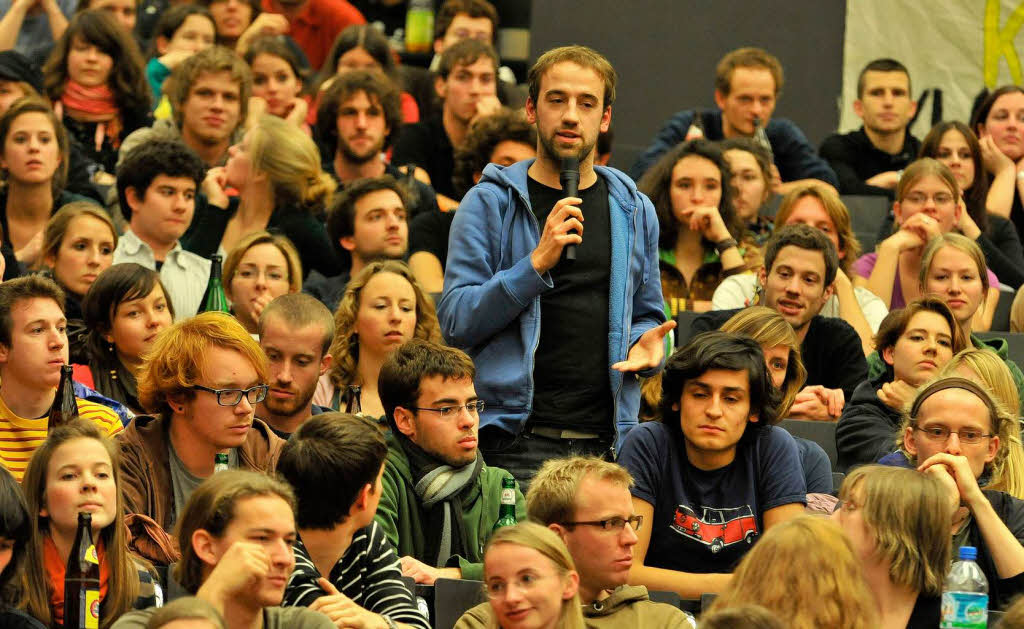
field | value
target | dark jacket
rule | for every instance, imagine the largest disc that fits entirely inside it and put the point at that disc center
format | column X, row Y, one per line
column 855, row 160
column 794, row 155
column 867, row 428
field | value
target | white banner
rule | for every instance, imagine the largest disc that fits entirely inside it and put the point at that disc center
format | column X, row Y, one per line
column 958, row 46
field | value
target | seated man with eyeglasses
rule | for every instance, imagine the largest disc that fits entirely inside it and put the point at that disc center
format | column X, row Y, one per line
column 715, row 473
column 956, row 430
column 201, row 384
column 439, row 500
column 586, row 500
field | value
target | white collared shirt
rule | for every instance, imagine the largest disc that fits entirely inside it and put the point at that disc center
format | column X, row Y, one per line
column 183, row 273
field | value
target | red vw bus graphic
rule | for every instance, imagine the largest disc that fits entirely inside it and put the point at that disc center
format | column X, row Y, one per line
column 717, row 528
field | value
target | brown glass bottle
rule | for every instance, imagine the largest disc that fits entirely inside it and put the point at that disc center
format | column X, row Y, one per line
column 354, row 404
column 64, row 408
column 82, row 580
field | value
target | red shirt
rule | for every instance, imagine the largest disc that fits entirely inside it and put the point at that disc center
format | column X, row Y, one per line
column 316, row 28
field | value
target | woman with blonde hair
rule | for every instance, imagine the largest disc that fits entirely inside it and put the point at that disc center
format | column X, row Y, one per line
column 898, row 523
column 383, row 307
column 782, row 356
column 282, row 188
column 805, row 571
column 953, row 268
column 262, row 266
column 1006, row 472
column 953, row 430
column 531, row 581
column 928, row 204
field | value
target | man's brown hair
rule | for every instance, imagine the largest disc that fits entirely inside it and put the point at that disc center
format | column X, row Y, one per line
column 581, row 56
column 210, row 61
column 29, row 287
column 747, row 58
column 473, row 8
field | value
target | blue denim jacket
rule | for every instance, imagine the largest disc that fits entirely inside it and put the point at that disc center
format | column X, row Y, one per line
column 491, row 302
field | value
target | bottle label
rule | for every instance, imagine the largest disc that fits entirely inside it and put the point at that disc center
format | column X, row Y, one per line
column 92, row 609
column 964, row 610
column 91, row 556
column 508, row 496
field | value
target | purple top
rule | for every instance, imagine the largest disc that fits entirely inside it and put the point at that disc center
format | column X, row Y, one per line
column 866, row 263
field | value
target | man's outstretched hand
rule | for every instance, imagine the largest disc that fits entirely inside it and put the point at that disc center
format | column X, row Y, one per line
column 648, row 351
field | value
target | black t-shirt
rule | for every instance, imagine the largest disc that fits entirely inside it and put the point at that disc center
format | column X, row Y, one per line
column 429, row 232
column 426, row 144
column 570, row 368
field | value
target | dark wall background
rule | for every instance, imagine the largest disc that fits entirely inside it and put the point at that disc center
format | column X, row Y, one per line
column 665, row 52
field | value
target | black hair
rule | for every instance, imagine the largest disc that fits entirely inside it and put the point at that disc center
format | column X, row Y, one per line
column 881, row 65
column 720, row 350
column 117, row 284
column 407, row 366
column 337, row 450
column 341, row 213
column 172, row 19
column 16, row 526
column 375, row 85
column 657, row 185
column 367, row 37
column 142, row 164
column 484, row 136
column 984, row 102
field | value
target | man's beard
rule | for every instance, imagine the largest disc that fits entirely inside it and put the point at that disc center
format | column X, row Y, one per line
column 549, row 150
column 352, row 157
column 287, row 408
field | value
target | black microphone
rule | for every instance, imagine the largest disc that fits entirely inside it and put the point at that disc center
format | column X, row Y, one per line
column 570, row 180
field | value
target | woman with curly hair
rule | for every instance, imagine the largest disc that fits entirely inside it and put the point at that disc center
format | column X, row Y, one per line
column 383, row 307
column 806, row 571
column 691, row 190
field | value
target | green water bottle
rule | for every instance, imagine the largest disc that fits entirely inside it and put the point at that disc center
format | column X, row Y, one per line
column 214, row 299
column 507, row 510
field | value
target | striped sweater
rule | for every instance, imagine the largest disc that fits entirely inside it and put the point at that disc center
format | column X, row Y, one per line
column 368, row 573
column 20, row 437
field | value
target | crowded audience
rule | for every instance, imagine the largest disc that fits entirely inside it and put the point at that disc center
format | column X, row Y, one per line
column 458, row 351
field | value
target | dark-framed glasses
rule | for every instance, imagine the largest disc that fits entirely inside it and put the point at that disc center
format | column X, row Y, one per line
column 231, row 397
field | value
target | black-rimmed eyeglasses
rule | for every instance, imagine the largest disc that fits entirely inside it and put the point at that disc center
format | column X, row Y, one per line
column 231, row 397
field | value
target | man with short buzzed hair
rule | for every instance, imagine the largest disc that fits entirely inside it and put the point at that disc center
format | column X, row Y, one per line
column 295, row 332
column 870, row 159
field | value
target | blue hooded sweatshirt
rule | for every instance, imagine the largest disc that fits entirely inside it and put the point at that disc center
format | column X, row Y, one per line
column 491, row 302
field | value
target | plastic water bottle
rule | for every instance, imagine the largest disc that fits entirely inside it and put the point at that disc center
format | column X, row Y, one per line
column 965, row 594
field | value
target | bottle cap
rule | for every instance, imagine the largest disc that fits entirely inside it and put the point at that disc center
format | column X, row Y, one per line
column 968, row 553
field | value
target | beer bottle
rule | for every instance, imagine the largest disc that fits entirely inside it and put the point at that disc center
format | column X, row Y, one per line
column 696, row 129
column 65, row 407
column 354, row 404
column 82, row 580
column 220, row 462
column 761, row 138
column 214, row 299
column 507, row 510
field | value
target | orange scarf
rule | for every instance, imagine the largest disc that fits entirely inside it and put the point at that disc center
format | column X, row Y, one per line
column 93, row 104
column 55, row 569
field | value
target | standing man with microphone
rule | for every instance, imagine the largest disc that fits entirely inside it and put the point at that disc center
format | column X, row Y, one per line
column 558, row 343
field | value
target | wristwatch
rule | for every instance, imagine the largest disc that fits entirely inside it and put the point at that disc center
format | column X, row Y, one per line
column 722, row 245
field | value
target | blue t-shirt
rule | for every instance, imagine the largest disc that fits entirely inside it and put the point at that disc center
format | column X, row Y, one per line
column 705, row 521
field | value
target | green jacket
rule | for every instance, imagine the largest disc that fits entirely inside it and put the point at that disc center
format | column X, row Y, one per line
column 876, row 366
column 403, row 523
